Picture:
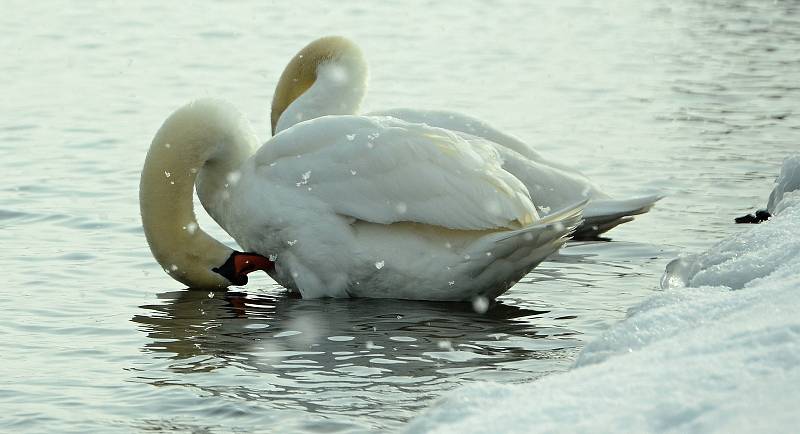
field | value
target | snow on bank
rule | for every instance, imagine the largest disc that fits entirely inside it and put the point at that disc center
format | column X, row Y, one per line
column 718, row 351
column 788, row 181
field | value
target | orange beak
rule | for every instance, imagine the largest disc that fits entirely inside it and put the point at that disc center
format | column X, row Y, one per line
column 239, row 264
column 245, row 263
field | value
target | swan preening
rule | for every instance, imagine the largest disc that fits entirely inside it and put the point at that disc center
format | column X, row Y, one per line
column 399, row 204
column 342, row 206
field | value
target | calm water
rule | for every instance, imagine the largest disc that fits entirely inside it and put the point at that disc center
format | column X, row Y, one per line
column 696, row 99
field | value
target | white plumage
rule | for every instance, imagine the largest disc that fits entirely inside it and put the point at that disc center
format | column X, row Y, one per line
column 339, row 86
column 377, row 207
column 349, row 205
column 384, row 170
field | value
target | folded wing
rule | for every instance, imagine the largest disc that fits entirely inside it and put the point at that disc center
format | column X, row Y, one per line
column 385, row 170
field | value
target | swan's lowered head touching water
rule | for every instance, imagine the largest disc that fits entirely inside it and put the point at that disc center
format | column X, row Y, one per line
column 329, row 77
column 209, row 140
column 342, row 206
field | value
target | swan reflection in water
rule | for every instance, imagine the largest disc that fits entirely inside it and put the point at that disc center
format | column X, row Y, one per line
column 330, row 355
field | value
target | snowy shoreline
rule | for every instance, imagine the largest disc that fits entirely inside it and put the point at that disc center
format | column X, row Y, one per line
column 717, row 351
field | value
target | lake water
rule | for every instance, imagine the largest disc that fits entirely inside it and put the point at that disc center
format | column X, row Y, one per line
column 694, row 99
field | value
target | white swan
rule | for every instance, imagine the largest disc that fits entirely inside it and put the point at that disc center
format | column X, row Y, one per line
column 329, row 76
column 342, row 206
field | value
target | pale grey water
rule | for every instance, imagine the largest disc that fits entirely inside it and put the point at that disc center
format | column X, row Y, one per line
column 696, row 99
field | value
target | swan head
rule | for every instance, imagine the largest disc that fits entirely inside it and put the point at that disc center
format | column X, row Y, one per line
column 197, row 138
column 333, row 64
column 199, row 261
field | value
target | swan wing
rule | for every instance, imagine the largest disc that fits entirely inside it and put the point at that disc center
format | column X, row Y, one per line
column 463, row 123
column 385, row 170
column 552, row 185
column 472, row 126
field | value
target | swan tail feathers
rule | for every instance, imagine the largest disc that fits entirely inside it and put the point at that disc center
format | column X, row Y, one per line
column 560, row 223
column 602, row 215
column 512, row 254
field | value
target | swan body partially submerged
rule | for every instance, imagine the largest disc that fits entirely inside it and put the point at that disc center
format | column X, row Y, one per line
column 342, row 206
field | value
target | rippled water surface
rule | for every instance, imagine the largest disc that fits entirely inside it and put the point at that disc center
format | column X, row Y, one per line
column 695, row 99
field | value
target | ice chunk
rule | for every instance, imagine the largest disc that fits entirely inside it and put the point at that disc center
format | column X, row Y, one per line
column 787, row 181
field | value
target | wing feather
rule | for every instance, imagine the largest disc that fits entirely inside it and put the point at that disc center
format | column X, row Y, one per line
column 385, row 170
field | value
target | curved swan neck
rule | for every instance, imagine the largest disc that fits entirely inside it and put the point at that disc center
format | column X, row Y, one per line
column 206, row 131
column 327, row 77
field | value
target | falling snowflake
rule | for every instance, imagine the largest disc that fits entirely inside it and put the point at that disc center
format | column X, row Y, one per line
column 379, row 264
column 492, row 207
column 291, row 243
column 337, row 74
column 480, row 304
column 233, row 177
column 304, row 179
